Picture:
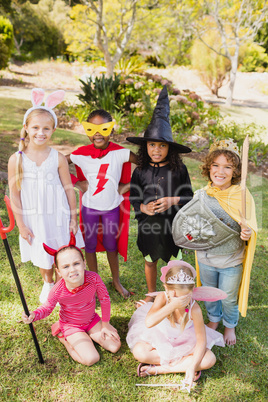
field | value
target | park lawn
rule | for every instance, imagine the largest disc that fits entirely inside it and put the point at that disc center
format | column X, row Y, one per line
column 238, row 375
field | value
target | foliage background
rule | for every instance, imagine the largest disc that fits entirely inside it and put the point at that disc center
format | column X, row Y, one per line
column 240, row 371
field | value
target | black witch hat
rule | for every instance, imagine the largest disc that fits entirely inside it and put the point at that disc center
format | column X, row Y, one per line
column 159, row 128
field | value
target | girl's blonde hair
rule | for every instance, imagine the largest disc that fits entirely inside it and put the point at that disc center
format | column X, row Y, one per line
column 22, row 145
column 171, row 272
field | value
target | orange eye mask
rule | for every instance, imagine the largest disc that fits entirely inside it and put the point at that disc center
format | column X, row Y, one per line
column 104, row 129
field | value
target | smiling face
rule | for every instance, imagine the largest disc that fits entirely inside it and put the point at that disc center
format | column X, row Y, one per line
column 98, row 140
column 157, row 151
column 40, row 128
column 71, row 267
column 221, row 173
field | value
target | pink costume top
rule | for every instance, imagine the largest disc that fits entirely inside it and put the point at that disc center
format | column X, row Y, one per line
column 77, row 307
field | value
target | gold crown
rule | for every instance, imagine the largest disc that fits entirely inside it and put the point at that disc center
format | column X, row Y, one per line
column 228, row 144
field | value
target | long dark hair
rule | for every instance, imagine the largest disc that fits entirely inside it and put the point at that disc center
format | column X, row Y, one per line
column 173, row 157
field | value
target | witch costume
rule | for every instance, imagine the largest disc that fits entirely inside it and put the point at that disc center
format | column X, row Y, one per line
column 152, row 182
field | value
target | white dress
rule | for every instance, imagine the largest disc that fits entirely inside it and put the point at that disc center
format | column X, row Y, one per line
column 46, row 211
column 170, row 343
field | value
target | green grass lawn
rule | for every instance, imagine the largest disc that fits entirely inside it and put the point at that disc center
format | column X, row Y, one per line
column 240, row 373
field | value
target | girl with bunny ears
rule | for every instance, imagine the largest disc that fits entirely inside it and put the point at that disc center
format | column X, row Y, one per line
column 169, row 335
column 42, row 196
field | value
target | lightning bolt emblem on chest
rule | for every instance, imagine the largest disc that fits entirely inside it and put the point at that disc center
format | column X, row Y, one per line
column 101, row 177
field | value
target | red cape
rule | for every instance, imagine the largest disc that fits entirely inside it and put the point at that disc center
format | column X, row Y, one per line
column 90, row 150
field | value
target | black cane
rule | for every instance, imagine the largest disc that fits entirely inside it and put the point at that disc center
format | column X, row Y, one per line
column 3, row 232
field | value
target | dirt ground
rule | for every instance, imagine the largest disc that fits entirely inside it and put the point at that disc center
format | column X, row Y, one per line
column 250, row 95
column 251, row 89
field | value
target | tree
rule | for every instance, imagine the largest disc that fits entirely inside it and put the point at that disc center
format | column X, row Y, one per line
column 5, row 6
column 237, row 22
column 262, row 37
column 36, row 29
column 212, row 67
column 110, row 22
column 6, row 41
column 163, row 31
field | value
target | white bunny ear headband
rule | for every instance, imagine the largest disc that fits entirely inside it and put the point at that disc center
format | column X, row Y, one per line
column 52, row 100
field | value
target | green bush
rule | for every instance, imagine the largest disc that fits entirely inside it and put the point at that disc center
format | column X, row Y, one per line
column 258, row 151
column 128, row 66
column 4, row 55
column 41, row 37
column 101, row 93
column 80, row 112
column 6, row 41
column 252, row 57
column 212, row 67
column 135, row 97
column 122, row 95
column 190, row 115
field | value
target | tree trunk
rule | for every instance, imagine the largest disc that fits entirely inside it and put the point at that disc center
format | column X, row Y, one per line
column 234, row 64
column 109, row 65
column 102, row 41
column 18, row 45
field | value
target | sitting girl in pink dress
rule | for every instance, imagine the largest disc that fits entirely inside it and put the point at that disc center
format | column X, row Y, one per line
column 76, row 292
column 169, row 335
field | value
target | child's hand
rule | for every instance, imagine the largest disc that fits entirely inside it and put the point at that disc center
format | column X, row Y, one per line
column 148, row 209
column 245, row 232
column 73, row 227
column 26, row 319
column 179, row 302
column 26, row 234
column 110, row 331
column 162, row 204
column 189, row 376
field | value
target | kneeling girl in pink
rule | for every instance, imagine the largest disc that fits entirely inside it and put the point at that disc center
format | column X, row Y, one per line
column 76, row 293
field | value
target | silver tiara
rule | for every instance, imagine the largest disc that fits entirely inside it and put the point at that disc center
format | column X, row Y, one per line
column 181, row 278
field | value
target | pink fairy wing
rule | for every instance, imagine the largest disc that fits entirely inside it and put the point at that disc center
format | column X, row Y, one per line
column 207, row 293
column 54, row 99
column 37, row 96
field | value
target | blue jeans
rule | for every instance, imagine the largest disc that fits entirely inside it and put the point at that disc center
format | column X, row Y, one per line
column 228, row 280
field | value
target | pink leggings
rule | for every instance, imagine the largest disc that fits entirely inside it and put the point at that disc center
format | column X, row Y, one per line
column 109, row 220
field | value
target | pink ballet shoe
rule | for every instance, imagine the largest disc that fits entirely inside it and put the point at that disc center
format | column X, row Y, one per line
column 197, row 375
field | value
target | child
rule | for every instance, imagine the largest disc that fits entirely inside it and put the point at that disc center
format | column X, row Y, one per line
column 160, row 185
column 76, row 292
column 169, row 335
column 222, row 264
column 42, row 197
column 101, row 165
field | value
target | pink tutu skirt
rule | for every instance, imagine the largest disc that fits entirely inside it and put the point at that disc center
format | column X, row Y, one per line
column 170, row 343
